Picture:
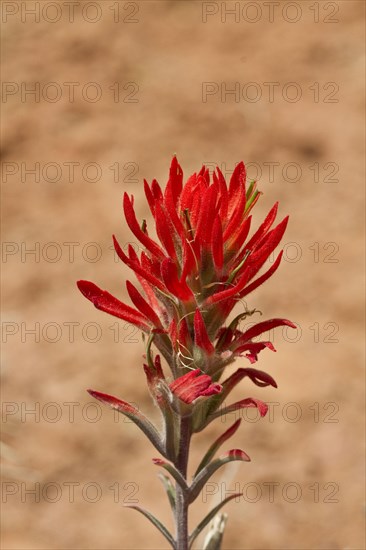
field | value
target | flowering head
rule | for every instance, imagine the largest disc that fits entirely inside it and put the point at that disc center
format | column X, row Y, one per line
column 202, row 264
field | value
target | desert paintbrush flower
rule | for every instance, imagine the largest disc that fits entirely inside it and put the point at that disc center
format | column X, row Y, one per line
column 192, row 277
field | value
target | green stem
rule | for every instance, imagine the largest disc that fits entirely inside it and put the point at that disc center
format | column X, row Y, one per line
column 181, row 500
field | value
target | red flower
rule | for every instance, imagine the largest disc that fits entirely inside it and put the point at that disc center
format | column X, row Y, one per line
column 193, row 385
column 203, row 264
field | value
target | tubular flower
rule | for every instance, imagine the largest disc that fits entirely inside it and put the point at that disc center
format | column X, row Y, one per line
column 203, row 264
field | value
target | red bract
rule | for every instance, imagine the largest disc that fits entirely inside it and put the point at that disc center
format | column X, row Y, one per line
column 193, row 385
column 203, row 264
column 240, row 342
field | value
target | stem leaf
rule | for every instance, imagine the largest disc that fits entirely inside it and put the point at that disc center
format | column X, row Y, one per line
column 209, row 517
column 243, row 404
column 169, row 489
column 204, row 475
column 217, row 444
column 163, row 530
column 173, row 472
column 134, row 414
column 215, row 535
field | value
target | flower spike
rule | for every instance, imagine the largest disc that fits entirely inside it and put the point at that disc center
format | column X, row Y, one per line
column 208, row 254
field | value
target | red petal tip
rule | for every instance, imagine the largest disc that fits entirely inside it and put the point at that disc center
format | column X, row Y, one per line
column 238, row 454
column 158, row 461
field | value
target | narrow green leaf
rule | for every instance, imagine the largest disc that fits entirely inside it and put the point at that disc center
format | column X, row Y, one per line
column 235, row 407
column 202, row 412
column 149, row 357
column 217, row 444
column 173, row 472
column 171, row 442
column 204, row 475
column 213, row 410
column 134, row 414
column 250, row 189
column 163, row 530
column 215, row 535
column 209, row 517
column 238, row 268
column 169, row 489
column 251, row 195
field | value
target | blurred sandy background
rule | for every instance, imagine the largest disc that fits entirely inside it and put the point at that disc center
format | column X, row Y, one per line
column 121, row 87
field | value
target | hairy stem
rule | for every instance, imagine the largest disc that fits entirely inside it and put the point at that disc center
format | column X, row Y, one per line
column 181, row 501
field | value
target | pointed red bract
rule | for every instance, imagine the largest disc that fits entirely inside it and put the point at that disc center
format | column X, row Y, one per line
column 114, row 402
column 177, row 287
column 175, row 182
column 193, row 385
column 200, row 334
column 247, row 403
column 135, row 265
column 255, row 284
column 217, row 245
column 238, row 454
column 259, row 378
column 135, row 228
column 260, row 328
column 154, row 373
column 108, row 303
column 264, row 227
column 165, row 229
column 142, row 305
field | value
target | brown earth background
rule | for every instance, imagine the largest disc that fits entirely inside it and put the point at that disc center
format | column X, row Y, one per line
column 150, row 79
